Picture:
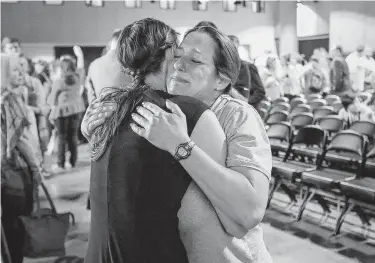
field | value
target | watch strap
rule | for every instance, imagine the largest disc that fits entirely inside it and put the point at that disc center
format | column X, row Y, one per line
column 187, row 146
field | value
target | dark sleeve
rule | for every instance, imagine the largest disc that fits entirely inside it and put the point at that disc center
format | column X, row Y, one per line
column 192, row 108
column 338, row 75
column 257, row 92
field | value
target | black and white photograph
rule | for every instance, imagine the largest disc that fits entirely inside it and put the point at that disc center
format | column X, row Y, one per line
column 187, row 131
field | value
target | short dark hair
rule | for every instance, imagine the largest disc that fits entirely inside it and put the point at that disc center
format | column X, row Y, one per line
column 206, row 23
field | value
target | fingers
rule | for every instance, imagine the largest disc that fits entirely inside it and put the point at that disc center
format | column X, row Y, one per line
column 145, row 113
column 174, row 108
column 138, row 130
column 156, row 110
column 141, row 121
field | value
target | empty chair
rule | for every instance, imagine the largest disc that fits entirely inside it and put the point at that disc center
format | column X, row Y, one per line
column 314, row 97
column 282, row 106
column 331, row 124
column 366, row 128
column 264, row 105
column 346, row 148
column 300, row 96
column 300, row 109
column 278, row 134
column 308, row 142
column 361, row 193
column 337, row 106
column 297, row 101
column 331, row 99
column 277, row 116
column 317, row 103
column 280, row 100
column 302, row 119
column 323, row 111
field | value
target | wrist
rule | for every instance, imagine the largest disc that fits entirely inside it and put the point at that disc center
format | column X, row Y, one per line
column 184, row 150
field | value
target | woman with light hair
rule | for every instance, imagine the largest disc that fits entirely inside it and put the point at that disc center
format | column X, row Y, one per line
column 20, row 173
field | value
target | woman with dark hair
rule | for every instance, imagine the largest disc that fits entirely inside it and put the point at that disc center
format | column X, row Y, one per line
column 136, row 189
column 224, row 204
column 67, row 105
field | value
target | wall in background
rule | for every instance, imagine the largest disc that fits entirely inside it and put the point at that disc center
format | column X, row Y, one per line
column 352, row 24
column 312, row 19
column 73, row 23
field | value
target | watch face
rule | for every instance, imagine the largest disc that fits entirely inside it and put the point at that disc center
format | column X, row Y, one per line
column 182, row 151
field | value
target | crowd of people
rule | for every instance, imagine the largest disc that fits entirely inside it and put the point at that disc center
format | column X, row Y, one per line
column 43, row 107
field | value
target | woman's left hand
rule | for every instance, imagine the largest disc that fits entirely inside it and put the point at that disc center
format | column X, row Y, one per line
column 164, row 130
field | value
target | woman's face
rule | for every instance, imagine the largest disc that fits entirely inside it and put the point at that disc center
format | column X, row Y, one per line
column 16, row 72
column 39, row 68
column 192, row 71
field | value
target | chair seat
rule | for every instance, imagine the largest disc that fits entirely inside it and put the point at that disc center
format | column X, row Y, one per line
column 306, row 151
column 279, row 146
column 291, row 169
column 361, row 188
column 343, row 157
column 325, row 178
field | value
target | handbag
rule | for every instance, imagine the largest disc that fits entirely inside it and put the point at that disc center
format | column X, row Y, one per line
column 45, row 230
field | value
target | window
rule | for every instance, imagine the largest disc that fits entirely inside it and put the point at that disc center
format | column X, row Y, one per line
column 96, row 3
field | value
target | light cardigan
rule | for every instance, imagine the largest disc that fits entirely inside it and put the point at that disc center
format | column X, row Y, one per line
column 65, row 100
column 201, row 231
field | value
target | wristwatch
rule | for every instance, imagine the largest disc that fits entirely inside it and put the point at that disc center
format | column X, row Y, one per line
column 183, row 150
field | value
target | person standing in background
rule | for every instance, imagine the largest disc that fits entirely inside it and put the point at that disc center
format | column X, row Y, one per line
column 106, row 71
column 356, row 62
column 67, row 106
column 339, row 73
column 249, row 83
column 313, row 79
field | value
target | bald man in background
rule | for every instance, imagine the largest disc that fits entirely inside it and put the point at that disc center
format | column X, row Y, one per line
column 106, row 71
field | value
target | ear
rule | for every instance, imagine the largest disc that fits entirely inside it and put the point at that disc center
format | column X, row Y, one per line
column 222, row 83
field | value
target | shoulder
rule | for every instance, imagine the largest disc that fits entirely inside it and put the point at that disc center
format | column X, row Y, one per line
column 234, row 112
column 189, row 104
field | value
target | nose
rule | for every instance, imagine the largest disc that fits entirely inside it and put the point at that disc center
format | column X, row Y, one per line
column 179, row 65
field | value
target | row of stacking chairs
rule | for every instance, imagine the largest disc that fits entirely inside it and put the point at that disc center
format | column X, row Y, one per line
column 339, row 166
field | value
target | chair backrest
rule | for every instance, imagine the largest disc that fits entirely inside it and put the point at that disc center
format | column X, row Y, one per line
column 371, row 153
column 348, row 141
column 314, row 97
column 302, row 119
column 337, row 106
column 300, row 109
column 346, row 144
column 323, row 112
column 332, row 99
column 297, row 101
column 280, row 100
column 317, row 103
column 332, row 123
column 282, row 106
column 262, row 113
column 264, row 105
column 277, row 116
column 310, row 135
column 279, row 131
column 366, row 128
